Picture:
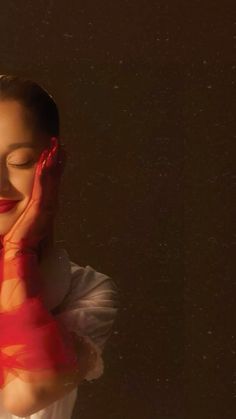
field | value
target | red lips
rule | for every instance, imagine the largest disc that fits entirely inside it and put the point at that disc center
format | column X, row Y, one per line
column 7, row 204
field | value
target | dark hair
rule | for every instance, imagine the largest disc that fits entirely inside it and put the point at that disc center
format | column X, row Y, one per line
column 38, row 103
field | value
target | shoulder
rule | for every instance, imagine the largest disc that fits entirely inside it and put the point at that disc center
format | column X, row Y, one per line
column 91, row 289
column 86, row 280
column 65, row 282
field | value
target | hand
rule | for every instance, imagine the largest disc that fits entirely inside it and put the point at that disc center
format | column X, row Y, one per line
column 36, row 221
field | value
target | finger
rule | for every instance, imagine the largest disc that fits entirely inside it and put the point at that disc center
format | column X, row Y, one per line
column 50, row 178
column 55, row 161
column 36, row 195
column 53, row 153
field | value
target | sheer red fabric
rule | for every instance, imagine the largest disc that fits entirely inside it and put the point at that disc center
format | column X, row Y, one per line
column 34, row 346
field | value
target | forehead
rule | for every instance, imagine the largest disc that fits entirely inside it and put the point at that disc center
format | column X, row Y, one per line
column 15, row 125
column 12, row 109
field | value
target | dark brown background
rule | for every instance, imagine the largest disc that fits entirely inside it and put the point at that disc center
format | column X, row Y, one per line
column 144, row 90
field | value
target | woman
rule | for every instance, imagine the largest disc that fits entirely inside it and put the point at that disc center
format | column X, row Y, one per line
column 55, row 316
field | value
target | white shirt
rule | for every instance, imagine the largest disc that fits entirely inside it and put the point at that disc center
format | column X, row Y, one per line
column 86, row 302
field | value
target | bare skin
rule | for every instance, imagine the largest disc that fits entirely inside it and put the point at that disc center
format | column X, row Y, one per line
column 16, row 181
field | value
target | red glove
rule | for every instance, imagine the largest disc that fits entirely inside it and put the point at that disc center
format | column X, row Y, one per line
column 34, row 346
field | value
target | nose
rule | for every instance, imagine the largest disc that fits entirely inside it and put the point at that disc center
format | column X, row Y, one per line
column 4, row 179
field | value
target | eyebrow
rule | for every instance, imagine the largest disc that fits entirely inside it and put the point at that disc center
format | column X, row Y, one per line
column 14, row 146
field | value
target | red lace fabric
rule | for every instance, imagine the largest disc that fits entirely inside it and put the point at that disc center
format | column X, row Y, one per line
column 34, row 346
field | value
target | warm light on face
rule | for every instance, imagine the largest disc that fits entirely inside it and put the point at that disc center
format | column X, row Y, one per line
column 19, row 152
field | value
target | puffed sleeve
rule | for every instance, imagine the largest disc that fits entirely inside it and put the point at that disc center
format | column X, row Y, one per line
column 89, row 309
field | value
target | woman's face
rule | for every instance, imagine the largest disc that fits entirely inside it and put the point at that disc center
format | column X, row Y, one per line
column 20, row 148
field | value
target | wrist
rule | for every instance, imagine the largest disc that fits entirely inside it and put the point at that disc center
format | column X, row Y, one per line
column 21, row 246
column 12, row 250
column 23, row 266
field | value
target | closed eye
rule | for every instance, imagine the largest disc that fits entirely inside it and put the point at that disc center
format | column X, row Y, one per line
column 28, row 163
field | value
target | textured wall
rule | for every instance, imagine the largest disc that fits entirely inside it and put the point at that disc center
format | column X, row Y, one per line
column 144, row 90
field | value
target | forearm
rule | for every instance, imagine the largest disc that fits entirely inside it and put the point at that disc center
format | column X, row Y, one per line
column 48, row 392
column 37, row 396
column 38, row 346
column 13, row 290
column 13, row 294
column 15, row 287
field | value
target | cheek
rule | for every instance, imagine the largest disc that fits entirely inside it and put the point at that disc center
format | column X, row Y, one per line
column 28, row 184
column 23, row 182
